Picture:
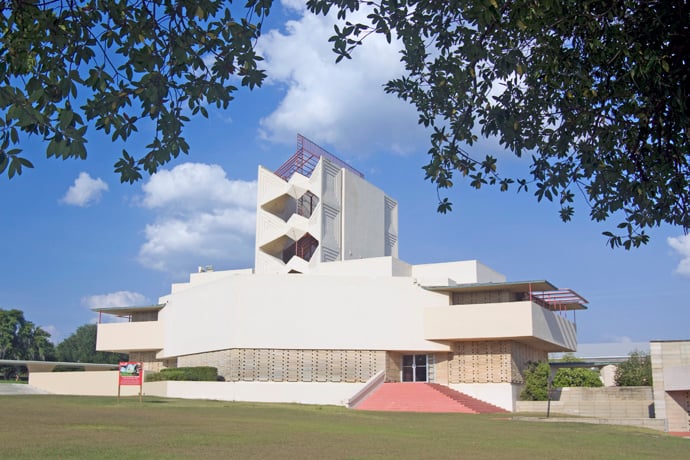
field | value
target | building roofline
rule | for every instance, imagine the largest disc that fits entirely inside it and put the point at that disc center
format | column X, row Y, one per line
column 513, row 286
column 541, row 291
column 126, row 311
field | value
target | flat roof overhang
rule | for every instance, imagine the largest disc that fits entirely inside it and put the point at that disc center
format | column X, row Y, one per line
column 127, row 311
column 541, row 290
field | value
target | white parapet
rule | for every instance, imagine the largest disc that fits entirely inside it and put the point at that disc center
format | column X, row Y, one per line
column 144, row 335
column 524, row 320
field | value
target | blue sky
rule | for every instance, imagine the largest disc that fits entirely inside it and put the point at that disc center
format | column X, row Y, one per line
column 75, row 238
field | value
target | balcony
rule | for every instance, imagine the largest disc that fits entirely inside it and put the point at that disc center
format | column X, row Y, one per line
column 524, row 321
column 133, row 336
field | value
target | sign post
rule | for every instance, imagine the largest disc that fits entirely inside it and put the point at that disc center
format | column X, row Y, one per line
column 130, row 373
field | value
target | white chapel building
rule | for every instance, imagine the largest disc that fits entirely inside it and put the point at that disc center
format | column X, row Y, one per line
column 329, row 313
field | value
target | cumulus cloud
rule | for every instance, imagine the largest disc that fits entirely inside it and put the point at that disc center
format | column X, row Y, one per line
column 342, row 105
column 85, row 191
column 681, row 244
column 200, row 218
column 113, row 300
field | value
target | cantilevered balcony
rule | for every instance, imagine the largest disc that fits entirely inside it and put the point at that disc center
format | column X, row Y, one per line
column 141, row 332
column 521, row 321
column 125, row 337
column 533, row 312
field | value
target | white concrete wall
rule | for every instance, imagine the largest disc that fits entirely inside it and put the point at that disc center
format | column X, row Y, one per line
column 197, row 279
column 553, row 328
column 502, row 395
column 144, row 335
column 278, row 392
column 104, row 383
column 350, row 221
column 329, row 191
column 299, row 312
column 94, row 383
column 517, row 320
column 374, row 266
column 270, row 227
column 461, row 272
column 363, row 224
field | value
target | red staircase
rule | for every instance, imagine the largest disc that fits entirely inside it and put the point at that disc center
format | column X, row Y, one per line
column 424, row 397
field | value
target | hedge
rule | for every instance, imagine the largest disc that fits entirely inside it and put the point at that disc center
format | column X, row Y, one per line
column 199, row 374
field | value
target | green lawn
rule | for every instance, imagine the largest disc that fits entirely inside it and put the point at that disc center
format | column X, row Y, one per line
column 43, row 426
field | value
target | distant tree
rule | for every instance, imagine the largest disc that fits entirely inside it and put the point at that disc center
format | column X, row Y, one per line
column 80, row 347
column 636, row 371
column 22, row 339
column 595, row 95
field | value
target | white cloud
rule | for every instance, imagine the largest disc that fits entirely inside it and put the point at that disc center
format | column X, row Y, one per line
column 296, row 5
column 342, row 105
column 681, row 244
column 191, row 186
column 201, row 218
column 114, row 299
column 85, row 191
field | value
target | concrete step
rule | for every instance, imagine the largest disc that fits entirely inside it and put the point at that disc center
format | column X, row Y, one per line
column 423, row 397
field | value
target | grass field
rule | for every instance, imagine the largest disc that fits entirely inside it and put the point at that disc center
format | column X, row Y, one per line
column 42, row 426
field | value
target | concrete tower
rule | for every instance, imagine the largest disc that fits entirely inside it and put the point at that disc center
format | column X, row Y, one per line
column 316, row 208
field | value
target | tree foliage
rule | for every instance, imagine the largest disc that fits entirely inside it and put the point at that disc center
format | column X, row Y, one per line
column 636, row 371
column 22, row 340
column 80, row 347
column 118, row 65
column 596, row 93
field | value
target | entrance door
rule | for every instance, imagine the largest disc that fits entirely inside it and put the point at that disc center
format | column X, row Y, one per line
column 414, row 368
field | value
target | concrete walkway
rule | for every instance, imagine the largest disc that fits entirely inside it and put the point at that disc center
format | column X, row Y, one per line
column 652, row 423
column 20, row 389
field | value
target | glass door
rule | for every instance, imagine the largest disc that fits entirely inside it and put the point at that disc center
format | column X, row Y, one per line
column 415, row 368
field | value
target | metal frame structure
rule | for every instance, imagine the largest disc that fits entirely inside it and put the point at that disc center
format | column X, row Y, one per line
column 305, row 159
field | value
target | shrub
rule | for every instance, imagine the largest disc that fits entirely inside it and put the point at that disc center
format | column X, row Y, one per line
column 536, row 382
column 199, row 374
column 537, row 379
column 577, row 377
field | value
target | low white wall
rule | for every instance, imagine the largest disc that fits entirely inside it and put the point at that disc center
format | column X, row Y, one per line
column 604, row 402
column 94, row 383
column 278, row 392
column 105, row 384
column 502, row 395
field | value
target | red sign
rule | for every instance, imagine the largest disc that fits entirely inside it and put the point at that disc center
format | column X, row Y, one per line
column 131, row 373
